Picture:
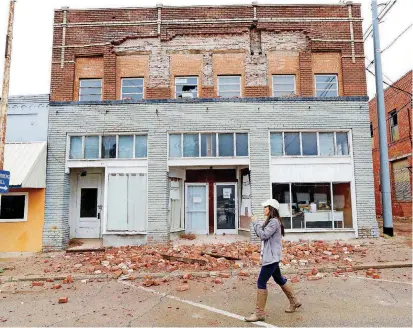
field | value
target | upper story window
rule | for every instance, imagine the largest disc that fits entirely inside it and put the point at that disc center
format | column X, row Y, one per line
column 229, row 86
column 186, row 87
column 394, row 126
column 309, row 144
column 108, row 146
column 90, row 90
column 283, row 85
column 132, row 88
column 326, row 85
column 208, row 145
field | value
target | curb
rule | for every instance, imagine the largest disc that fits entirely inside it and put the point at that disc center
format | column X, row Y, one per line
column 202, row 274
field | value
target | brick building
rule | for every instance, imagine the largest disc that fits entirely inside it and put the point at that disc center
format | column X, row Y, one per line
column 398, row 104
column 174, row 119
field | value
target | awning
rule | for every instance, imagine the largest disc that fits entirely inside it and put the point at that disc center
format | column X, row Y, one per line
column 27, row 164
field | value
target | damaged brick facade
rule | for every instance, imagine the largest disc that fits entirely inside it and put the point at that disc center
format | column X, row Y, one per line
column 160, row 44
column 248, row 34
column 400, row 150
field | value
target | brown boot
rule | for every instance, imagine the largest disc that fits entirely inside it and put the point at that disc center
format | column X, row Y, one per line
column 259, row 314
column 294, row 304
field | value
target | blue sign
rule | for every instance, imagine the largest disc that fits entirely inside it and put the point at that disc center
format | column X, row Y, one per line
column 4, row 181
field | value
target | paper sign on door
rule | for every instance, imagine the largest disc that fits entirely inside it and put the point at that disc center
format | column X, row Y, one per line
column 227, row 193
column 197, row 200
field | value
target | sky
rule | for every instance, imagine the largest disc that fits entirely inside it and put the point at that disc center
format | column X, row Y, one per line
column 33, row 33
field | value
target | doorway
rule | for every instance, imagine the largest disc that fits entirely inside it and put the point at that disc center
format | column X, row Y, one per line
column 225, row 208
column 88, row 205
column 196, row 208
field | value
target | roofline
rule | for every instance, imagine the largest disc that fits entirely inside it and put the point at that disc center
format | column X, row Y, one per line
column 216, row 6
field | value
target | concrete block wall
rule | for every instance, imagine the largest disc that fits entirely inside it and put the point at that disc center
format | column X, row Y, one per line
column 158, row 118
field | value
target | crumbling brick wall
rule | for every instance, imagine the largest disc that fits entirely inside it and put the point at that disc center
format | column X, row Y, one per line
column 255, row 31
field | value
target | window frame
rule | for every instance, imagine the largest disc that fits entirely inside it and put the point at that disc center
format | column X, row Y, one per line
column 331, row 211
column 392, row 126
column 334, row 132
column 90, row 79
column 100, row 158
column 130, row 78
column 187, row 77
column 216, row 136
column 26, row 206
column 326, row 74
column 294, row 83
column 220, row 83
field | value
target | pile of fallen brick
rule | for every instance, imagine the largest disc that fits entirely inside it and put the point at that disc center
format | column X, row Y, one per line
column 168, row 258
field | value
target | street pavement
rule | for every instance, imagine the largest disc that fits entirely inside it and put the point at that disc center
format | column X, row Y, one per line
column 329, row 302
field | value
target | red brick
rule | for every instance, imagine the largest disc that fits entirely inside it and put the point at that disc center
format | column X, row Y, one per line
column 37, row 283
column 63, row 300
column 394, row 100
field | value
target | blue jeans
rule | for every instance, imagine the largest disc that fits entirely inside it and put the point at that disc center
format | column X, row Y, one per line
column 268, row 271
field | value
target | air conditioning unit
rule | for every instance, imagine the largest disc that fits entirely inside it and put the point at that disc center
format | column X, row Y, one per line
column 187, row 95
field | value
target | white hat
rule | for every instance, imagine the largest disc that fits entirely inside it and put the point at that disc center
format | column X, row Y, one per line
column 271, row 202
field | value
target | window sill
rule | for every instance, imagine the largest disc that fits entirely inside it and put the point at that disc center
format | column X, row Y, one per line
column 177, row 230
column 124, row 233
column 13, row 220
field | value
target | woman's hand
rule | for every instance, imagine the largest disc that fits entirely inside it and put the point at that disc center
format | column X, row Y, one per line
column 253, row 218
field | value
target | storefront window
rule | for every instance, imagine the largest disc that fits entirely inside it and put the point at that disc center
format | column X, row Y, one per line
column 281, row 192
column 310, row 205
column 343, row 215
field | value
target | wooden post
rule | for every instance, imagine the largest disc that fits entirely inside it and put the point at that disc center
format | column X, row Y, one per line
column 6, row 80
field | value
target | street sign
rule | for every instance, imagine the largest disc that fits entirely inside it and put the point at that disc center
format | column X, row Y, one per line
column 4, row 181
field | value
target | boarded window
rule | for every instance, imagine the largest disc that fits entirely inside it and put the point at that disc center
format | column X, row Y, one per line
column 401, row 178
column 127, row 202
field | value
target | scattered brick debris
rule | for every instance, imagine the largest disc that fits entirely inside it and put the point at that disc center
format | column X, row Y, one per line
column 63, row 300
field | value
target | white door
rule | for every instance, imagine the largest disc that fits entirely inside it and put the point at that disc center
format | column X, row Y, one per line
column 88, row 206
column 196, row 208
column 226, row 208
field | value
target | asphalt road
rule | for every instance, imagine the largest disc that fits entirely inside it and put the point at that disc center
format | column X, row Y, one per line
column 329, row 302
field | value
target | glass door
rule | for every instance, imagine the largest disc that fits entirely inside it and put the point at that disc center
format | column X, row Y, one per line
column 226, row 208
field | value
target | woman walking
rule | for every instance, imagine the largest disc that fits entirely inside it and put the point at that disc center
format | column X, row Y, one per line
column 270, row 234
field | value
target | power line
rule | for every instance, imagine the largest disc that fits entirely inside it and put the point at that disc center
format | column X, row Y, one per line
column 391, row 43
column 391, row 85
column 381, row 15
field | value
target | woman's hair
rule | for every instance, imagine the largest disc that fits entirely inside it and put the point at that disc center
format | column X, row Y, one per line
column 274, row 214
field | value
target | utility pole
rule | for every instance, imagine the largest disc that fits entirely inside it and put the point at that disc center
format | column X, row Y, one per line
column 6, row 80
column 381, row 114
